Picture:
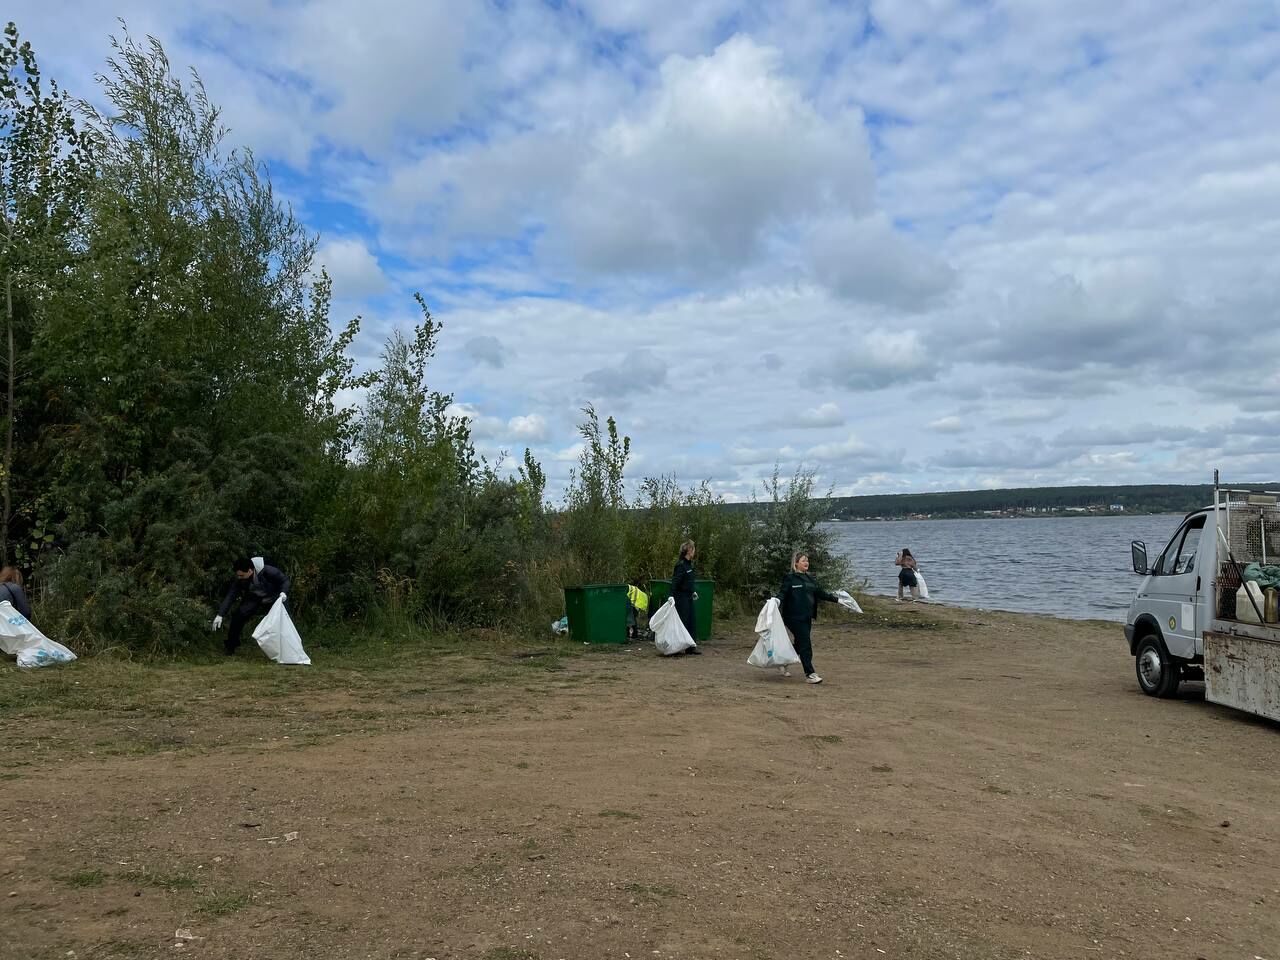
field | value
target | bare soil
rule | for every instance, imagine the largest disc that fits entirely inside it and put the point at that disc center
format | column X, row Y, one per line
column 964, row 784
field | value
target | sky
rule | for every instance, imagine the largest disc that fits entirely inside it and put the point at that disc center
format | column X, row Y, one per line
column 937, row 245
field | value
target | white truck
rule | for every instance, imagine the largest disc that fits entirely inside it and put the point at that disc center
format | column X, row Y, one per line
column 1184, row 622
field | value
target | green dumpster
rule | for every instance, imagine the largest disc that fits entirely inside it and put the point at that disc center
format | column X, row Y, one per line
column 597, row 612
column 660, row 591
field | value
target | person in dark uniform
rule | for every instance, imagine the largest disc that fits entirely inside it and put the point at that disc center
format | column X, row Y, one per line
column 798, row 602
column 255, row 588
column 682, row 590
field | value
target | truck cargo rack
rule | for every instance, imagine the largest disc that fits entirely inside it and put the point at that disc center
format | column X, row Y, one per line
column 1249, row 522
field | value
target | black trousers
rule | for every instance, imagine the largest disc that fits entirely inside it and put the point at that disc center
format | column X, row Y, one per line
column 249, row 608
column 684, row 607
column 801, row 631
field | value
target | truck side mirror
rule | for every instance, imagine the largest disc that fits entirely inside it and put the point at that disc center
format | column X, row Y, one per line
column 1139, row 551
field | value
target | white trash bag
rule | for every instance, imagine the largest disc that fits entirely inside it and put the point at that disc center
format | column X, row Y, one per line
column 922, row 586
column 847, row 601
column 669, row 634
column 20, row 638
column 278, row 637
column 774, row 648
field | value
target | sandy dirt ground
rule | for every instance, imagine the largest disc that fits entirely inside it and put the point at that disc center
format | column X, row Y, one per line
column 983, row 786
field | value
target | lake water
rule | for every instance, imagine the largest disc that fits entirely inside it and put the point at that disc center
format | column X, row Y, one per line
column 1077, row 567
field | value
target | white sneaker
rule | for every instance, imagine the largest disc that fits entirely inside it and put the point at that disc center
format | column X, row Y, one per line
column 784, row 671
column 813, row 678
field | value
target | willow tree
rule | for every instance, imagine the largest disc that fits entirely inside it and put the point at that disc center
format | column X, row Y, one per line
column 46, row 168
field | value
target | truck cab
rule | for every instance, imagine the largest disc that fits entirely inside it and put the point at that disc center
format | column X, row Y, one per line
column 1172, row 606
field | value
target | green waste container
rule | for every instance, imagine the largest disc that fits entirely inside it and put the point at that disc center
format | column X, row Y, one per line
column 597, row 612
column 660, row 592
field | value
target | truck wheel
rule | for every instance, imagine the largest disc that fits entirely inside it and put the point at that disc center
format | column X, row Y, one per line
column 1158, row 673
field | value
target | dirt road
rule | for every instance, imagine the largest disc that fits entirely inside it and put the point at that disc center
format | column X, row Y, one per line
column 994, row 787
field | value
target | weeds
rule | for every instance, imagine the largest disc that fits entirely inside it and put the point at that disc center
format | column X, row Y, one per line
column 222, row 904
column 163, row 881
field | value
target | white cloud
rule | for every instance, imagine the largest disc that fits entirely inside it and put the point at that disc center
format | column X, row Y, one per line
column 850, row 446
column 482, row 427
column 354, row 270
column 879, row 360
column 823, row 415
column 531, row 427
column 726, row 149
column 950, row 424
column 865, row 259
column 639, row 371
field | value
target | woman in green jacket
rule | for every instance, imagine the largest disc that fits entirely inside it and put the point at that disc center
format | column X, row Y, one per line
column 798, row 602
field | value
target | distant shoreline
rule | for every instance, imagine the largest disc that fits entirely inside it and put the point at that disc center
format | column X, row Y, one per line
column 1058, row 515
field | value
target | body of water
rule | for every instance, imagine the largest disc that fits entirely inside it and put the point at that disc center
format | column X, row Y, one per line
column 1077, row 567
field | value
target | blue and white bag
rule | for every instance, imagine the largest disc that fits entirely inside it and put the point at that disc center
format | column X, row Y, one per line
column 19, row 638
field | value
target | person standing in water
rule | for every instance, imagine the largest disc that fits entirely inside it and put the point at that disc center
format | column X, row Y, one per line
column 907, row 574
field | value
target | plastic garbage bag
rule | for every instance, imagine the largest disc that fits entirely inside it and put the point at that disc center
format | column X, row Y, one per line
column 669, row 634
column 560, row 626
column 847, row 601
column 278, row 637
column 19, row 638
column 923, row 587
column 774, row 648
column 1264, row 576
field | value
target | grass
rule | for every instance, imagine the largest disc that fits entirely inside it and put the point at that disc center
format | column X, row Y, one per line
column 222, row 904
column 139, row 707
column 824, row 737
column 619, row 814
column 165, row 881
column 84, row 878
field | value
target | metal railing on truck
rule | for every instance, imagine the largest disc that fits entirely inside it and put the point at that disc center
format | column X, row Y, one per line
column 1249, row 526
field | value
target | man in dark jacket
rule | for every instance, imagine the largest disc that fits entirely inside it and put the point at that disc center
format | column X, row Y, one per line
column 254, row 589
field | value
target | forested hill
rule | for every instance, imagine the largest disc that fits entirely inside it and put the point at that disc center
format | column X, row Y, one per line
column 1026, row 501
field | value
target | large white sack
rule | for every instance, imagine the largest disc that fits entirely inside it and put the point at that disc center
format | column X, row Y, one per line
column 924, row 587
column 278, row 637
column 669, row 634
column 847, row 601
column 20, row 638
column 774, row 648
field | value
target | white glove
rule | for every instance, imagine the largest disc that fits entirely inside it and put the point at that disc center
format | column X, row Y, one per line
column 284, row 596
column 217, row 623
